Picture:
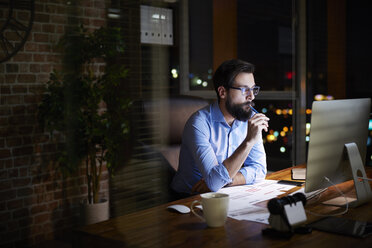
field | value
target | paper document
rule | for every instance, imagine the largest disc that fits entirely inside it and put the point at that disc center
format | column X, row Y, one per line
column 243, row 198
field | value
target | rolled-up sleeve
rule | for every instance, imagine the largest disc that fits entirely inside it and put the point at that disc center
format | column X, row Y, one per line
column 197, row 139
column 254, row 167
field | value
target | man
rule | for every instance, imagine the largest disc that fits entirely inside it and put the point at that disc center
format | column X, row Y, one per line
column 222, row 143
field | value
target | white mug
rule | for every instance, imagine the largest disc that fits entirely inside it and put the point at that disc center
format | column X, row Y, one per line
column 215, row 207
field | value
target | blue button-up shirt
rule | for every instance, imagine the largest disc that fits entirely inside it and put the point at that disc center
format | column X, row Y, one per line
column 207, row 141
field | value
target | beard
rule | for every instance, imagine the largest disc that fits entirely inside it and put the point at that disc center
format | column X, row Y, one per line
column 238, row 111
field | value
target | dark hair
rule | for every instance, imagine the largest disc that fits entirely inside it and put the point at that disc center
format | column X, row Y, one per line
column 227, row 71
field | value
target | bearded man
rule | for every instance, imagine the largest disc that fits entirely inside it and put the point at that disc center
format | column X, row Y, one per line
column 222, row 143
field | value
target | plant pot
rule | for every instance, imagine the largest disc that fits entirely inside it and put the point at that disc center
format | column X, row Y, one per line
column 93, row 213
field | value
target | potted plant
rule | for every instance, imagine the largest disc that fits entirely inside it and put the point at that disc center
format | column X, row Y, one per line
column 87, row 107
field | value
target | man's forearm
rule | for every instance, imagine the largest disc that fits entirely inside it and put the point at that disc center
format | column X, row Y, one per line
column 236, row 160
column 238, row 180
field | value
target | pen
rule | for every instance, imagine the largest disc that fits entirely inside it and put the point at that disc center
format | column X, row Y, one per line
column 255, row 111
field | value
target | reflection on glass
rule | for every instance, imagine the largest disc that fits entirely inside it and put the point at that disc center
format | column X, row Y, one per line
column 278, row 141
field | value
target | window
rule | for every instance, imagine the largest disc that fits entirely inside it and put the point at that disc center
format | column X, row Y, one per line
column 263, row 33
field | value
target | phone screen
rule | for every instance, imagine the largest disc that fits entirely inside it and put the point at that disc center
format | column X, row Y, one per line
column 343, row 226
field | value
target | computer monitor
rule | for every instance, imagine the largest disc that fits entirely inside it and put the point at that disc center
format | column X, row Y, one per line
column 337, row 146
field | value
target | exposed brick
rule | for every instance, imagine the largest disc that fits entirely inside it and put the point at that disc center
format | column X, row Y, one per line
column 13, row 99
column 49, row 197
column 21, row 57
column 5, row 185
column 42, row 218
column 3, row 174
column 25, row 129
column 27, row 139
column 32, row 98
column 24, row 68
column 9, row 78
column 58, row 195
column 42, row 17
column 12, row 68
column 98, row 22
column 5, row 153
column 26, row 78
column 13, row 141
column 13, row 173
column 12, row 236
column 42, row 78
column 4, row 216
column 51, row 8
column 5, row 89
column 48, row 28
column 35, row 68
column 14, row 204
column 41, row 37
column 44, row 48
column 25, row 222
column 5, row 110
column 20, row 213
column 52, row 205
column 22, row 82
column 18, row 89
column 22, row 151
column 40, row 138
column 12, row 225
column 39, row 57
column 39, row 209
column 60, row 19
column 99, row 4
column 23, row 15
column 46, row 68
column 37, row 89
column 3, row 122
column 60, row 29
column 7, row 195
column 21, row 161
column 36, row 27
column 23, row 172
column 16, row 120
column 20, row 182
column 17, row 110
column 32, row 108
column 24, row 192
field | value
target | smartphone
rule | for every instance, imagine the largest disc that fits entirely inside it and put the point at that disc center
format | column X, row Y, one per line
column 288, row 182
column 340, row 225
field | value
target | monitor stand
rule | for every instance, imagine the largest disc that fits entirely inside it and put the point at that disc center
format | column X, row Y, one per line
column 362, row 187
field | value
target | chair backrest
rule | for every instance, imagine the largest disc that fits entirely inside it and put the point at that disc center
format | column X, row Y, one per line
column 166, row 118
column 171, row 115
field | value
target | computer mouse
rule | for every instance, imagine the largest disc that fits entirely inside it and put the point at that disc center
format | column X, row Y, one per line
column 179, row 208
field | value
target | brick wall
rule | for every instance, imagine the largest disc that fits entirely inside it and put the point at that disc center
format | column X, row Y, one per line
column 36, row 203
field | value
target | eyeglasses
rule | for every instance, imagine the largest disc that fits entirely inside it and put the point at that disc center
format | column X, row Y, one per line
column 246, row 90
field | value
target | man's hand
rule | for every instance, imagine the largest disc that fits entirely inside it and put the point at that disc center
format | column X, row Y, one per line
column 256, row 124
column 200, row 187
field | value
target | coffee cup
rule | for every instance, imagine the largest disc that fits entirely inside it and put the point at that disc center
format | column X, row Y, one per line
column 215, row 207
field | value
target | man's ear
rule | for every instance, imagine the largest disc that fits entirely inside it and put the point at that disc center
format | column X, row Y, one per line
column 222, row 92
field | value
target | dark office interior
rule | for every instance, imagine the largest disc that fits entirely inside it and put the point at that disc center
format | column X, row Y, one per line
column 303, row 51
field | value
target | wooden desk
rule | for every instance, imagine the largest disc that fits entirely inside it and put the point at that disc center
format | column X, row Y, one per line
column 157, row 227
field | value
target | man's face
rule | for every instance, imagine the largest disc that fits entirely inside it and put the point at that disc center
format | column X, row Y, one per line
column 237, row 104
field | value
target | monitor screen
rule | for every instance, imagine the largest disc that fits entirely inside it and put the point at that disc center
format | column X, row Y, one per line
column 334, row 124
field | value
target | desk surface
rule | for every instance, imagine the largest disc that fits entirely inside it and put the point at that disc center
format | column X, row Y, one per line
column 158, row 227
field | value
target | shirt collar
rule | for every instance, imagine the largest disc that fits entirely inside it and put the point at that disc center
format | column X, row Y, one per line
column 217, row 115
